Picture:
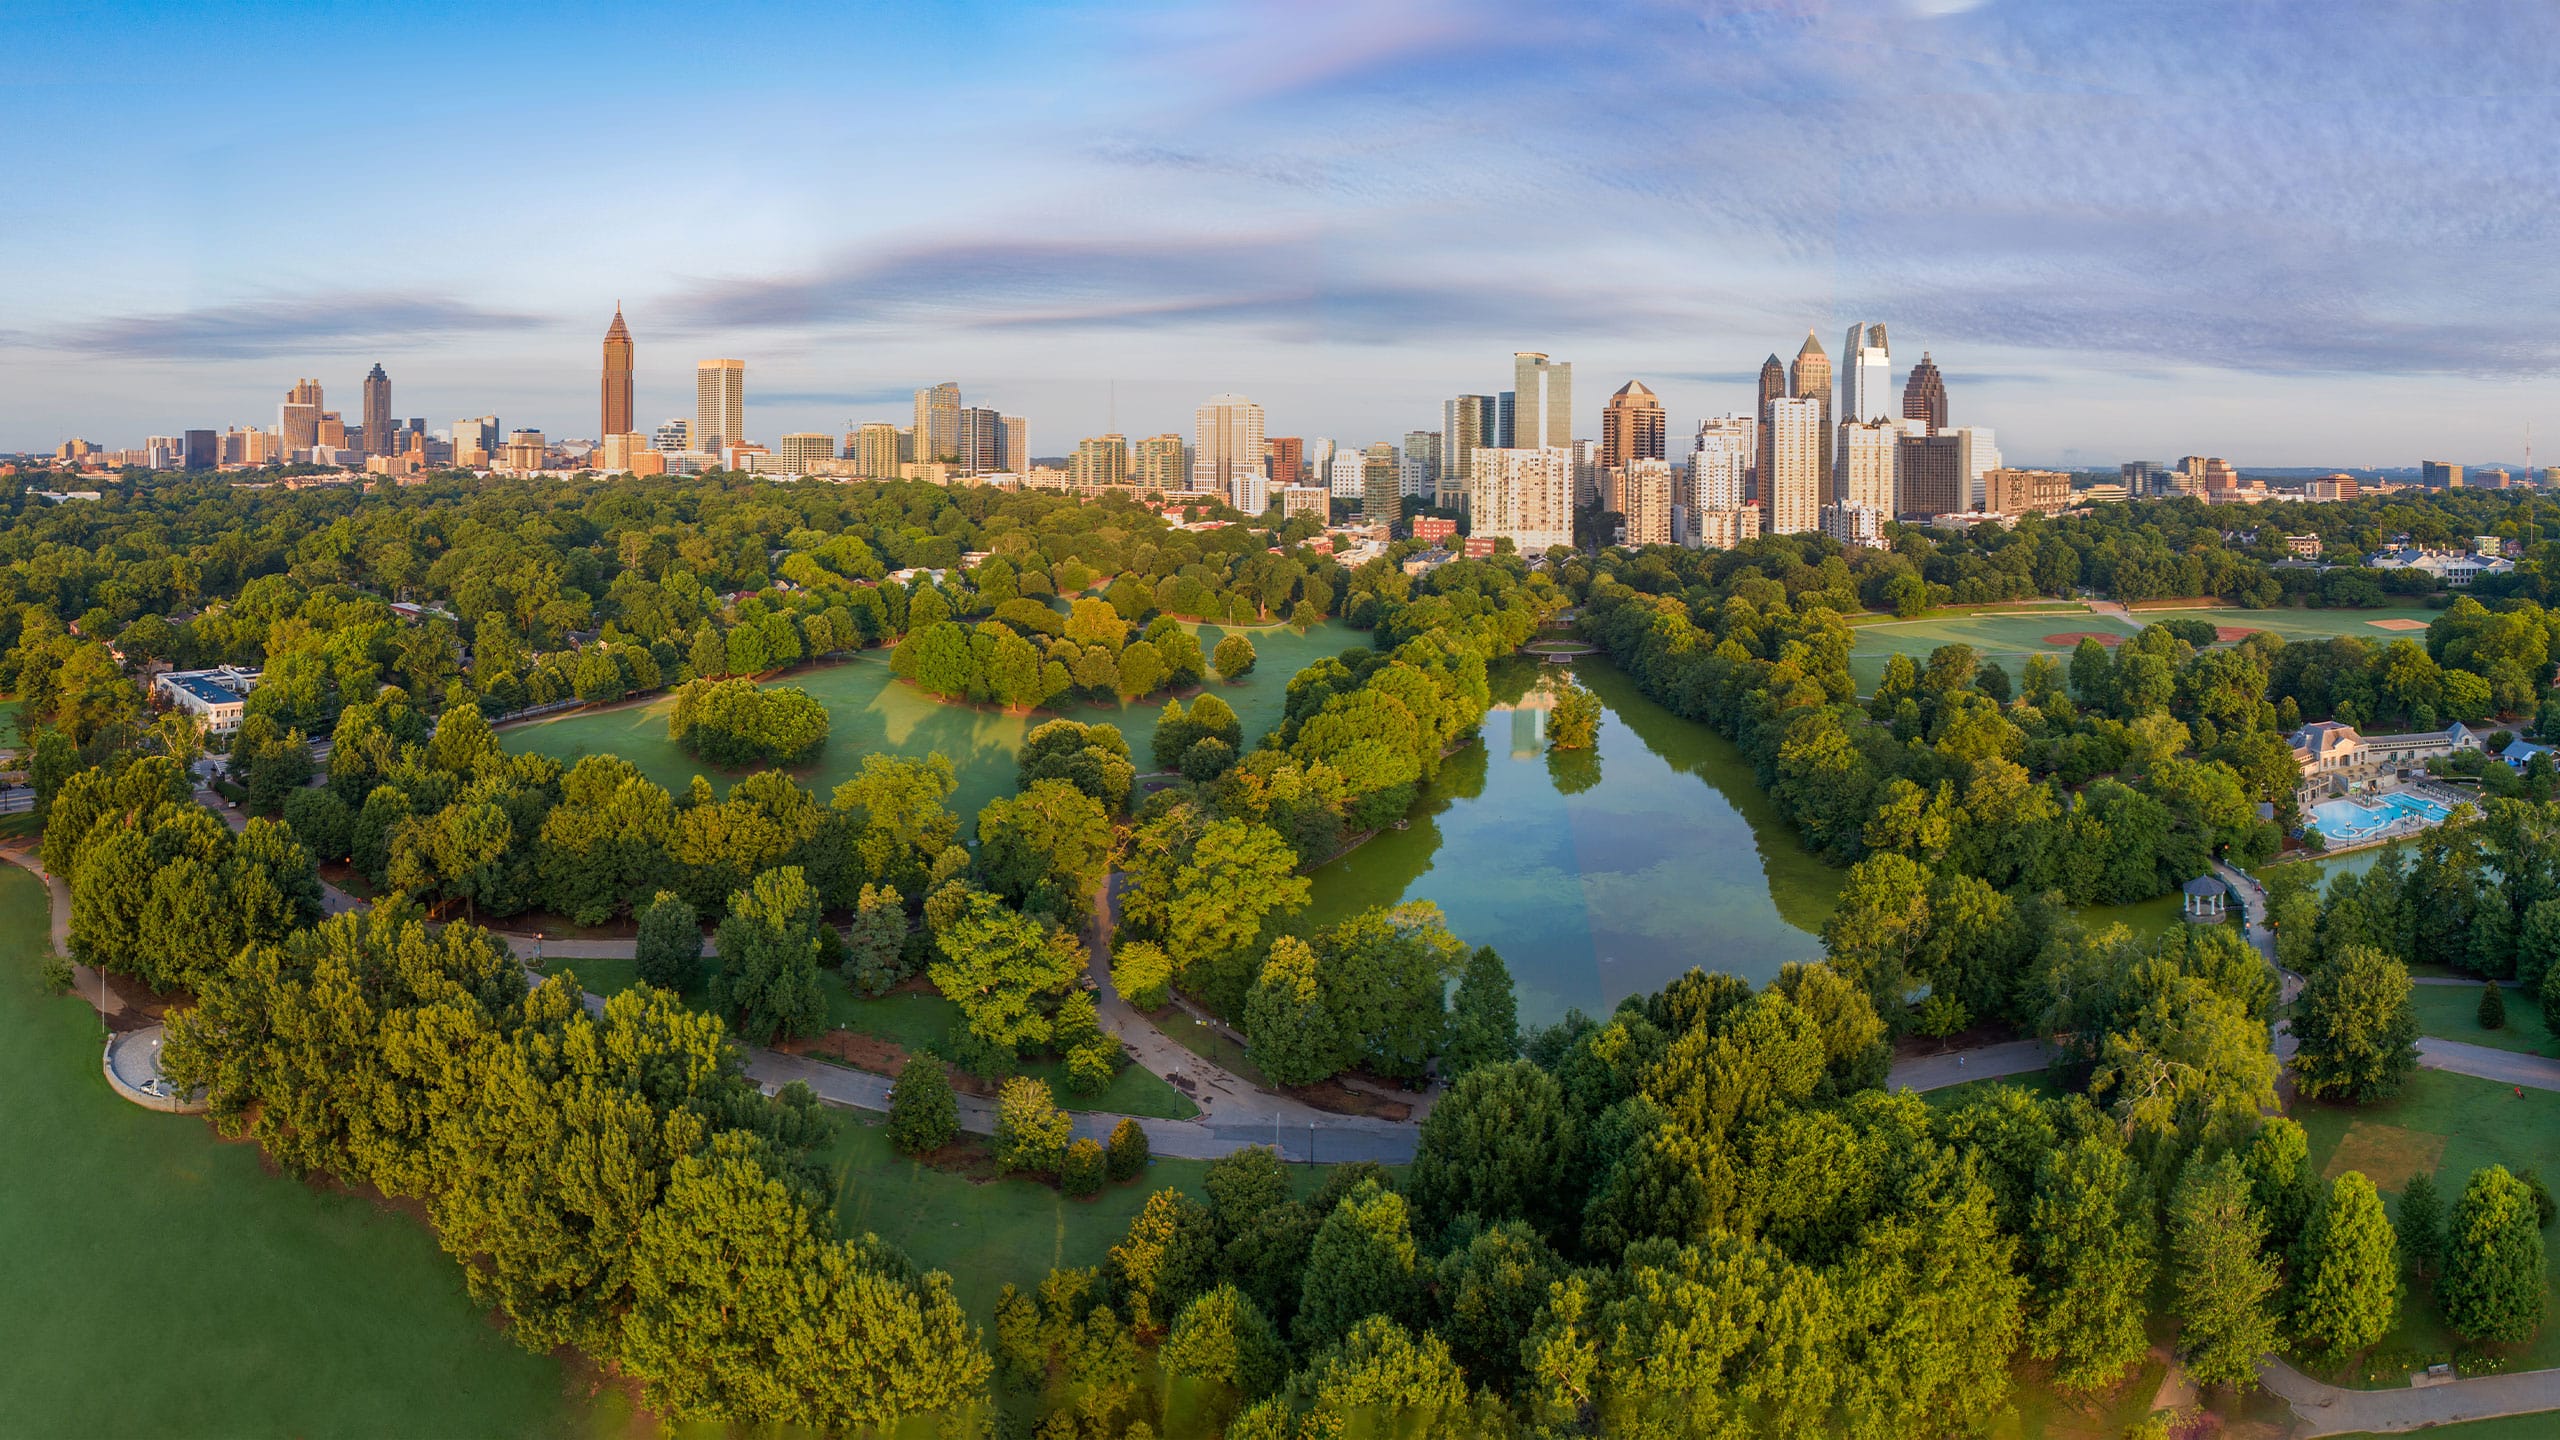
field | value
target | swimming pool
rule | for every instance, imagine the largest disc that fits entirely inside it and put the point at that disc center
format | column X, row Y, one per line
column 2351, row 821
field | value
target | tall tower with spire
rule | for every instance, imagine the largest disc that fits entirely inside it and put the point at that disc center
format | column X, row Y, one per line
column 1924, row 398
column 377, row 412
column 1773, row 388
column 1810, row 379
column 617, row 376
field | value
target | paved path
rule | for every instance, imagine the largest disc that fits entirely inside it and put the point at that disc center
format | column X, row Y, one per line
column 85, row 982
column 2113, row 611
column 2330, row 1410
column 1987, row 1062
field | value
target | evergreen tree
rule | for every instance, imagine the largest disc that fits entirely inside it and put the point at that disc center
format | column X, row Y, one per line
column 1484, row 1020
column 2090, row 1236
column 1363, row 1263
column 2421, row 1224
column 1221, row 1338
column 1500, row 1145
column 1031, row 1131
column 669, row 953
column 2221, row 1282
column 1129, row 1150
column 2346, row 1286
column 768, row 946
column 2493, row 1006
column 2493, row 1281
column 924, row 1115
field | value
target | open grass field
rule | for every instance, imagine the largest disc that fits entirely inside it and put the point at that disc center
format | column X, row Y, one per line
column 2453, row 1012
column 914, row 1021
column 1956, row 1097
column 161, row 1281
column 2010, row 639
column 2447, row 1125
column 869, row 710
column 987, row 1232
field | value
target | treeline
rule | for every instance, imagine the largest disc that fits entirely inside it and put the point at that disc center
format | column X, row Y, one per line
column 737, row 723
column 2479, row 894
column 611, row 1182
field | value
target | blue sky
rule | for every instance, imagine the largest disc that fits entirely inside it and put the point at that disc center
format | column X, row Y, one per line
column 2289, row 233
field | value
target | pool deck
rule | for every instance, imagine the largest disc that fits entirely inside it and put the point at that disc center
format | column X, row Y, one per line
column 2400, row 829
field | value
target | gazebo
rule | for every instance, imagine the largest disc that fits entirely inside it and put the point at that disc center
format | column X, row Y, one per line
column 2204, row 897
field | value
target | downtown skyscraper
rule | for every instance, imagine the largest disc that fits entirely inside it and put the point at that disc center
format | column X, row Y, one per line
column 615, row 413
column 1924, row 397
column 1866, row 377
column 719, row 405
column 379, row 428
column 1542, row 401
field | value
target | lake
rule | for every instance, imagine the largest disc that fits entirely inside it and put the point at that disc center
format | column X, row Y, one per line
column 1597, row 874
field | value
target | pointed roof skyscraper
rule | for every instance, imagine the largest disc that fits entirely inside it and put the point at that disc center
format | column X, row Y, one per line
column 617, row 375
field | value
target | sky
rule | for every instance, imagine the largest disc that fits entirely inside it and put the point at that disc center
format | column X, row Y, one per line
column 2292, row 234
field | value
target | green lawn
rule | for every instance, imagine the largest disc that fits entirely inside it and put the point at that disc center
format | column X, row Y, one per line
column 2505, row 1427
column 2009, row 639
column 870, row 710
column 985, row 1233
column 2449, row 1125
column 2453, row 1012
column 914, row 1021
column 1208, row 1044
column 1956, row 1097
column 162, row 1281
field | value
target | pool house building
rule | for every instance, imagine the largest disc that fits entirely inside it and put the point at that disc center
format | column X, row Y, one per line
column 2335, row 760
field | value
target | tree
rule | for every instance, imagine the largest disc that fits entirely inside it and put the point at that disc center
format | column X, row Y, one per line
column 1290, row 1033
column 1002, row 968
column 1484, row 1021
column 2221, row 1282
column 1233, row 658
column 1080, row 1173
column 2493, row 1006
column 669, row 953
column 1141, row 972
column 1031, row 1131
column 322, row 822
column 2492, row 1286
column 2550, row 997
column 1128, row 1150
column 1047, row 849
column 1500, row 1145
column 2346, row 1288
column 738, row 722
column 1221, row 1338
column 768, row 945
column 2421, row 1223
column 2090, row 1237
column 2357, row 1026
column 1205, row 894
column 1574, row 721
column 1169, row 1255
column 923, row 1114
column 1363, row 1263
column 875, row 945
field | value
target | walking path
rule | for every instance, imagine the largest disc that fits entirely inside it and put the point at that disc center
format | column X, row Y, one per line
column 2331, row 1410
column 1986, row 1062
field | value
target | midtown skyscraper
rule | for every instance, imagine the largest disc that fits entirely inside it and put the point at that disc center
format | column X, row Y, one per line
column 1810, row 379
column 1866, row 377
column 1924, row 398
column 1542, row 403
column 937, row 432
column 1226, row 455
column 1632, row 427
column 719, row 405
column 616, row 413
column 1467, row 424
column 1773, row 388
column 378, row 424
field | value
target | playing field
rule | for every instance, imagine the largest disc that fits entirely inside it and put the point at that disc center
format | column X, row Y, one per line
column 2009, row 639
column 869, row 710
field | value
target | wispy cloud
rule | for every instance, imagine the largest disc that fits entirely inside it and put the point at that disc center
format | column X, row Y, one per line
column 279, row 326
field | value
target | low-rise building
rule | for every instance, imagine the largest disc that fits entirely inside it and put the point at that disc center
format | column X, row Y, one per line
column 2335, row 759
column 216, row 698
column 2455, row 569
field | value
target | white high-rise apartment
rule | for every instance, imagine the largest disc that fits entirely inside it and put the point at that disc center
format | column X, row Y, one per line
column 1792, row 483
column 673, row 436
column 1867, row 391
column 1644, row 498
column 1228, row 449
column 1250, row 492
column 1867, row 451
column 1720, row 462
column 719, row 405
column 1524, row 494
column 1344, row 473
column 1979, row 456
column 1542, row 401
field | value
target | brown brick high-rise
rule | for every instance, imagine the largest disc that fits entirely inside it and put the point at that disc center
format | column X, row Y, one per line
column 617, row 376
column 1925, row 397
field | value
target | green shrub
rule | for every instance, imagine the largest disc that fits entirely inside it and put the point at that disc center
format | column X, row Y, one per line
column 1129, row 1151
column 923, row 1113
column 2493, row 1006
column 1081, row 1173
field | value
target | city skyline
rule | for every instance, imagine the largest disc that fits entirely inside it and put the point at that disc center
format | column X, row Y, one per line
column 2061, row 209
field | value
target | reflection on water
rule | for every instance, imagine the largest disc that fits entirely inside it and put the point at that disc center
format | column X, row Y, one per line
column 1597, row 874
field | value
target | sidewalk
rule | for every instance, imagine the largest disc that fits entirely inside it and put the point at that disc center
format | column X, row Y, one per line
column 2330, row 1410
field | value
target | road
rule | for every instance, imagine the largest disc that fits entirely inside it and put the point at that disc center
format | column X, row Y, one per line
column 2331, row 1410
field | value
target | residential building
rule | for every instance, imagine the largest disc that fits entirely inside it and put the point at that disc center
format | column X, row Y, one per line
column 1016, row 455
column 1644, row 499
column 1498, row 433
column 1101, row 462
column 1227, row 448
column 1284, row 459
column 1720, row 460
column 1381, row 485
column 1346, row 476
column 1633, row 426
column 1161, row 464
column 614, row 406
column 1434, row 529
column 1854, row 524
column 672, row 436
column 1929, row 475
column 2306, row 547
column 2439, row 475
column 1542, row 403
column 1795, row 477
column 1924, row 396
column 1977, row 455
column 719, row 404
column 1466, row 425
column 2019, row 492
column 937, row 432
column 1418, row 471
column 874, row 450
column 1311, row 500
column 804, row 452
column 1524, row 494
column 1724, row 529
column 216, row 697
column 163, row 452
column 1866, row 377
column 1868, row 450
column 978, row 446
column 380, row 437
